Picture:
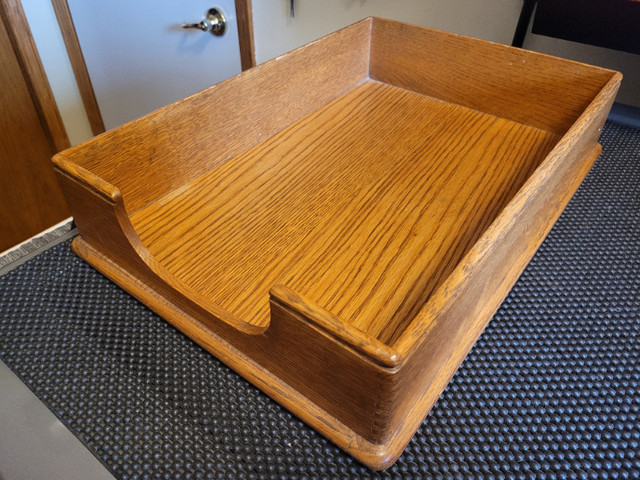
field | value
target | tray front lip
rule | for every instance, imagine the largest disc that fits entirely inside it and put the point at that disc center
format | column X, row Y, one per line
column 377, row 456
column 358, row 342
column 450, row 289
column 350, row 337
column 98, row 185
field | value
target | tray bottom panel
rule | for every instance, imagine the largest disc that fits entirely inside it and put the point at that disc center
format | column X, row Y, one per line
column 363, row 207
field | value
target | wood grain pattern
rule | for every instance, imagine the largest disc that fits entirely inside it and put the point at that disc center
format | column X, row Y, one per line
column 30, row 133
column 528, row 89
column 250, row 108
column 76, row 57
column 347, row 259
column 368, row 241
column 27, row 52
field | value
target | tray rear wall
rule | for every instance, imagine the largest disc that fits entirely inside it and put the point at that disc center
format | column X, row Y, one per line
column 526, row 87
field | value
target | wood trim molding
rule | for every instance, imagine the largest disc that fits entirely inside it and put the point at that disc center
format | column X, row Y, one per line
column 16, row 23
column 245, row 33
column 63, row 14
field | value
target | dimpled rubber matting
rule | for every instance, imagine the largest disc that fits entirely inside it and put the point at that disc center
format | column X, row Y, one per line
column 550, row 390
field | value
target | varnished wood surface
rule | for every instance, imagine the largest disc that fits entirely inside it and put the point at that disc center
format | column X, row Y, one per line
column 363, row 208
column 509, row 82
column 342, row 236
column 249, row 109
column 31, row 131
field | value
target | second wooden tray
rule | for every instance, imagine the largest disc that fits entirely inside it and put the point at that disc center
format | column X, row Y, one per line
column 339, row 224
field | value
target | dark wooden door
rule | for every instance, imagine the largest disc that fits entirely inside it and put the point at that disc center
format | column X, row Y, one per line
column 30, row 197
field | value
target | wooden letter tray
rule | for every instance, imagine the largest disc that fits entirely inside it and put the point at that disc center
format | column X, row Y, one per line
column 339, row 224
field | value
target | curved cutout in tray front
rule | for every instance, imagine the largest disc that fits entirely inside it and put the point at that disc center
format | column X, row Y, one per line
column 111, row 230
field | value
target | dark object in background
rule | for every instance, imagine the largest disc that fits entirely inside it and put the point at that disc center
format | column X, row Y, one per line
column 605, row 23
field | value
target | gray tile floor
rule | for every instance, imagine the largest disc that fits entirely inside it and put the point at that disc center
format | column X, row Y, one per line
column 34, row 444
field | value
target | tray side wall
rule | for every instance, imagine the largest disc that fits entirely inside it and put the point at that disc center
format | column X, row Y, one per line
column 152, row 156
column 527, row 87
column 446, row 328
column 455, row 328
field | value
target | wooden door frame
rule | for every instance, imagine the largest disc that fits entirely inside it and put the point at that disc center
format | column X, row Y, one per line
column 244, row 18
column 32, row 200
column 15, row 21
column 63, row 14
column 68, row 30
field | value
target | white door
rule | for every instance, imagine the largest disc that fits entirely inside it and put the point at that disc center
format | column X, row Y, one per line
column 140, row 58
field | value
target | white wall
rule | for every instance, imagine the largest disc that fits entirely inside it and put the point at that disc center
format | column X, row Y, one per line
column 53, row 53
column 275, row 32
column 140, row 59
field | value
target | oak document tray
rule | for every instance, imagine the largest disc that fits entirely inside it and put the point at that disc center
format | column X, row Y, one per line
column 339, row 224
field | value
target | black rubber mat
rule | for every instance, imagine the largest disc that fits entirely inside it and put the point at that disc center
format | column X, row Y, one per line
column 551, row 389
